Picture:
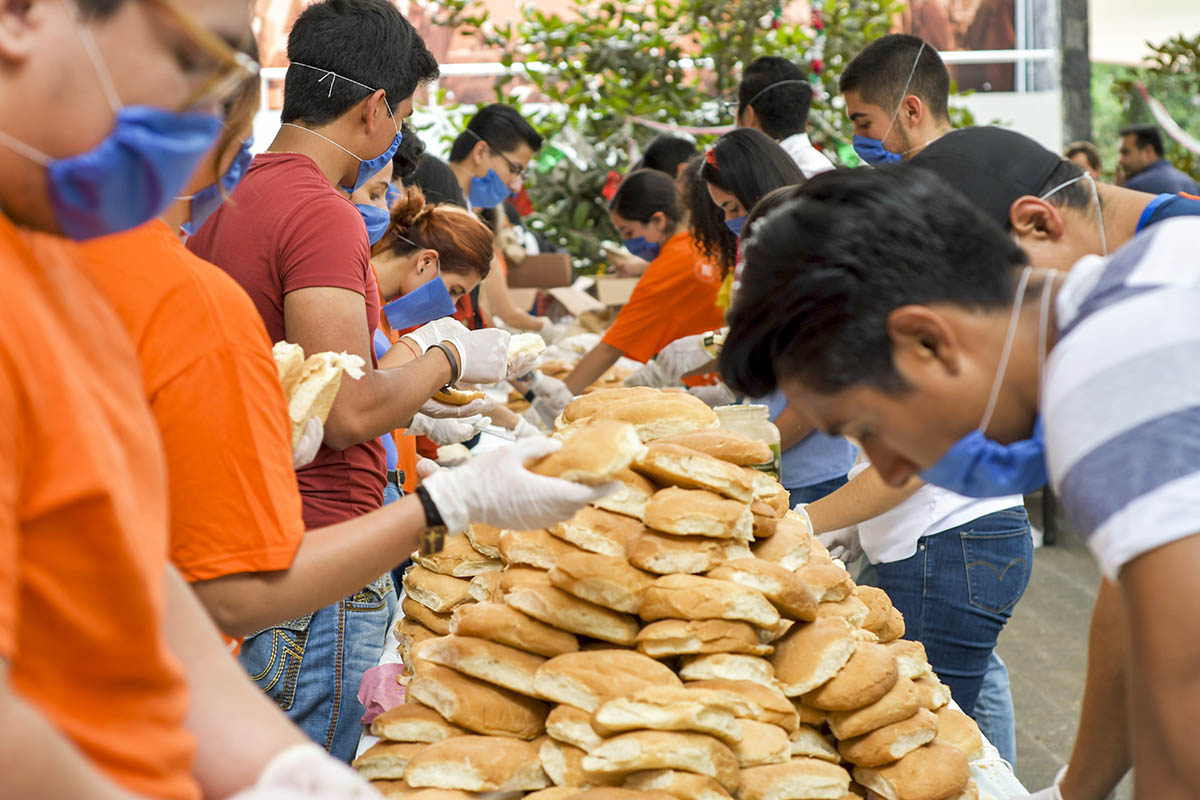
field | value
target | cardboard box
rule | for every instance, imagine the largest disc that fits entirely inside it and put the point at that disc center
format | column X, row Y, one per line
column 614, row 291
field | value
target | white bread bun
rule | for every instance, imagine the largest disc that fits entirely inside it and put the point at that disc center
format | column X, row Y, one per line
column 761, row 743
column 852, row 610
column 812, row 653
column 554, row 793
column 675, row 637
column 478, row 706
column 764, row 525
column 898, row 704
column 643, row 750
column 586, row 679
column 751, row 700
column 486, row 660
column 521, row 575
column 797, row 779
column 731, row 446
column 932, row 693
column 891, row 742
column 584, row 406
column 566, row 612
column 809, row 715
column 664, row 708
column 661, row 414
column 893, row 629
column 879, row 607
column 535, row 548
column 506, row 625
column 523, row 346
column 420, row 614
column 484, row 538
column 728, row 666
column 606, row 581
column 672, row 465
column 664, row 554
column 786, row 591
column 828, row 581
column 478, row 764
column 564, row 764
column 458, row 559
column 440, row 593
column 289, row 361
column 598, row 531
column 631, row 496
column 320, row 379
column 696, row 512
column 592, row 454
column 680, row 785
column 617, row 793
column 413, row 722
column 789, row 546
column 869, row 674
column 910, row 658
column 386, row 760
column 485, row 587
column 410, row 633
column 932, row 772
column 573, row 726
column 808, row 742
column 693, row 597
column 960, row 732
column 761, row 509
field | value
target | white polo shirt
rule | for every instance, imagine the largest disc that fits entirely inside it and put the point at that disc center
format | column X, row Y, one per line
column 809, row 159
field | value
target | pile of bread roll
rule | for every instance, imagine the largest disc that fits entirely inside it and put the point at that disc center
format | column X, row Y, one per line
column 685, row 638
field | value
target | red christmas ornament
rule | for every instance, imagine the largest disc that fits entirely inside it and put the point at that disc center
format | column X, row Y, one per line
column 611, row 185
column 818, row 21
column 818, row 66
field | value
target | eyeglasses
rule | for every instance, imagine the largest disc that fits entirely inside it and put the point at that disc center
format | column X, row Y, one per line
column 516, row 169
column 233, row 68
column 730, row 107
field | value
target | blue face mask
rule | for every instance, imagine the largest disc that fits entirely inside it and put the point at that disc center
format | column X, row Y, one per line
column 391, row 196
column 488, row 191
column 426, row 303
column 376, row 219
column 643, row 249
column 208, row 199
column 736, row 224
column 977, row 466
column 873, row 152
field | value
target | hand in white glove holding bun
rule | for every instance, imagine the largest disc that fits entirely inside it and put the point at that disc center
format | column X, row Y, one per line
column 307, row 772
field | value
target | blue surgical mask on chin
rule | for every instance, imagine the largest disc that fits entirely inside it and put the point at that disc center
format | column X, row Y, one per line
column 736, row 224
column 873, row 152
column 208, row 199
column 488, row 191
column 642, row 248
column 376, row 220
column 426, row 303
column 977, row 466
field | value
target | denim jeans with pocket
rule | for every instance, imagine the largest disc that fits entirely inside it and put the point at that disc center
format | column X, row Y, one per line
column 958, row 591
column 312, row 665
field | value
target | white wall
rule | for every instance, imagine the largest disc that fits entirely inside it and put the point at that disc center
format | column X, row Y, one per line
column 1038, row 115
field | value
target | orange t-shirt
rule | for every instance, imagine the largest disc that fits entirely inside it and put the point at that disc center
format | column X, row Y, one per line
column 675, row 297
column 83, row 526
column 213, row 386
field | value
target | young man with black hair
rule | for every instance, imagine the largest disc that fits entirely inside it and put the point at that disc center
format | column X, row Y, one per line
column 932, row 341
column 1146, row 169
column 775, row 98
column 897, row 93
column 668, row 154
column 1087, row 157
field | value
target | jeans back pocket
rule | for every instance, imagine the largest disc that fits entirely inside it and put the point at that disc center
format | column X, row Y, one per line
column 998, row 566
column 272, row 657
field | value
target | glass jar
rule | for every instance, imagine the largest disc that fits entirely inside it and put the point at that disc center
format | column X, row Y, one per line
column 754, row 421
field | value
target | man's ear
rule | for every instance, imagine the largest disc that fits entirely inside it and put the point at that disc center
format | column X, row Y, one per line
column 20, row 23
column 748, row 118
column 1033, row 217
column 923, row 340
column 912, row 111
column 375, row 111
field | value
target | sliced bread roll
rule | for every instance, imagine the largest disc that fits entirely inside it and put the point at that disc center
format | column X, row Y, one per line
column 900, row 703
column 672, row 465
column 827, row 580
column 663, row 708
column 478, row 764
column 644, row 750
column 696, row 512
column 932, row 693
column 573, row 726
column 631, row 495
column 789, row 546
column 592, row 454
column 728, row 666
column 960, row 732
column 761, row 744
column 850, row 609
column 458, row 559
column 505, row 625
column 778, row 584
column 681, row 785
column 866, row 677
column 807, row 741
column 731, row 446
column 289, row 360
column 664, row 554
column 797, row 779
column 386, row 760
column 564, row 764
column 413, row 722
column 598, row 531
column 660, row 414
column 484, row 538
column 754, row 701
column 585, row 406
column 438, row 593
column 478, row 706
column 560, row 610
column 932, row 772
column 422, row 615
column 318, row 385
column 675, row 637
column 693, row 597
column 604, row 580
column 586, row 679
column 486, row 660
column 812, row 653
column 536, row 548
column 891, row 742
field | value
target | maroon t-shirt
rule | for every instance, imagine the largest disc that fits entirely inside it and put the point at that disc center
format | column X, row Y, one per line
column 286, row 228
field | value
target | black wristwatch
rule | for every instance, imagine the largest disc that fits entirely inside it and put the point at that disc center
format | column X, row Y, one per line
column 433, row 538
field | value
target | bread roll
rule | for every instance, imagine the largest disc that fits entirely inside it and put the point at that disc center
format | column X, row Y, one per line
column 879, row 606
column 869, row 674
column 796, row 779
column 458, row 559
column 413, row 722
column 522, row 346
column 289, row 360
column 829, row 582
column 932, row 772
column 769, row 491
column 680, row 785
column 478, row 764
column 536, row 548
column 956, row 729
column 761, row 744
column 631, row 496
column 674, row 637
column 617, row 793
column 811, row 654
column 485, row 539
column 693, row 597
column 932, row 693
column 584, row 406
column 564, row 764
column 505, row 625
column 485, row 587
column 592, row 454
column 661, row 414
column 486, row 660
column 521, row 575
column 754, row 701
column 643, row 750
column 851, row 609
column 386, row 760
column 731, row 446
column 786, row 591
column 598, row 531
column 789, row 546
column 672, row 465
column 664, row 708
column 696, row 512
column 555, row 793
column 806, row 741
column 438, row 593
column 456, row 397
column 910, row 658
column 573, row 726
column 566, row 612
column 664, row 554
column 809, row 715
column 410, row 633
column 603, row 580
column 438, row 623
column 899, row 703
column 893, row 629
column 586, row 679
column 478, row 706
column 314, row 393
column 764, row 526
column 728, row 666
column 891, row 742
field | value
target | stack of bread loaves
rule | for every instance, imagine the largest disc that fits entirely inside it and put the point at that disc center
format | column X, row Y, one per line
column 687, row 637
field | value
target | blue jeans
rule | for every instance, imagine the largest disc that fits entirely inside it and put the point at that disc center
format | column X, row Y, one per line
column 312, row 665
column 958, row 591
column 994, row 710
column 815, row 491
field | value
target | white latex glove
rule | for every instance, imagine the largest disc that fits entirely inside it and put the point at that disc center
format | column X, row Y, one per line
column 309, row 443
column 496, row 489
column 426, row 467
column 681, row 357
column 843, row 543
column 1051, row 792
column 553, row 331
column 482, row 355
column 432, row 332
column 439, row 410
column 307, row 772
column 523, row 429
column 445, row 431
column 649, row 374
column 522, row 364
column 716, row 395
column 553, row 390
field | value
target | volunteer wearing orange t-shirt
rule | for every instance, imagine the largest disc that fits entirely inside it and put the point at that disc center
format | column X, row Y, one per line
column 677, row 294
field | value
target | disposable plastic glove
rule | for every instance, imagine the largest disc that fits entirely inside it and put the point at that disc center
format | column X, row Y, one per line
column 554, row 391
column 553, row 331
column 309, row 443
column 439, row 330
column 649, row 374
column 1051, row 792
column 307, row 772
column 716, row 395
column 681, row 357
column 523, row 429
column 439, row 410
column 482, row 355
column 426, row 467
column 445, row 431
column 497, row 490
column 521, row 365
column 842, row 543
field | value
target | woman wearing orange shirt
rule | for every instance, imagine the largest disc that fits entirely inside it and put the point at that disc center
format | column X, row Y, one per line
column 677, row 294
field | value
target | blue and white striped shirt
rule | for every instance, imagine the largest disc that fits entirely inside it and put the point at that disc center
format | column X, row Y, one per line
column 1121, row 401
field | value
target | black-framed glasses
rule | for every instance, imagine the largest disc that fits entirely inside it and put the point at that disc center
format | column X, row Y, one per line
column 516, row 169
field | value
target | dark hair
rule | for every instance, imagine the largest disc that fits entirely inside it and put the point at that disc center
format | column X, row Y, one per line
column 776, row 198
column 823, row 273
column 98, row 9
column 1088, row 150
column 707, row 222
column 368, row 44
column 238, row 111
column 644, row 193
column 408, row 154
column 501, row 126
column 1078, row 195
column 782, row 110
column 880, row 70
column 1145, row 136
column 748, row 164
column 666, row 153
column 463, row 243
